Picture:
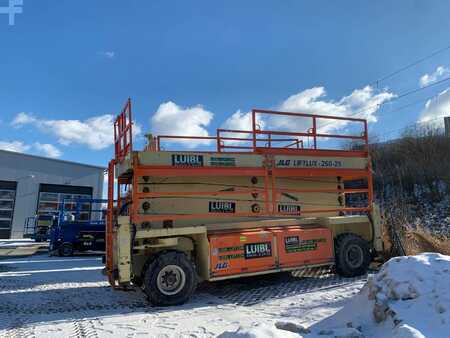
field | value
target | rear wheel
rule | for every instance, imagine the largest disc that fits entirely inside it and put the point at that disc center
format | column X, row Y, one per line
column 66, row 249
column 170, row 279
column 352, row 255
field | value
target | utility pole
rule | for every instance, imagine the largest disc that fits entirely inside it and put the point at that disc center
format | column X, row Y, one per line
column 447, row 126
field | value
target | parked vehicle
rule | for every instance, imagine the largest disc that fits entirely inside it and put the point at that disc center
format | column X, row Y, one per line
column 263, row 201
column 80, row 227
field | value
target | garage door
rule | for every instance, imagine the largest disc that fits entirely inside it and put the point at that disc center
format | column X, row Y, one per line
column 7, row 199
column 51, row 197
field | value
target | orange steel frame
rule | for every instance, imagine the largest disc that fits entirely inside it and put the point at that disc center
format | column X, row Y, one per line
column 123, row 148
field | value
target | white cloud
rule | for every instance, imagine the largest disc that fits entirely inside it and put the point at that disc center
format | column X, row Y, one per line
column 47, row 149
column 361, row 103
column 16, row 146
column 44, row 149
column 22, row 118
column 172, row 119
column 436, row 108
column 96, row 132
column 107, row 54
column 241, row 121
column 440, row 73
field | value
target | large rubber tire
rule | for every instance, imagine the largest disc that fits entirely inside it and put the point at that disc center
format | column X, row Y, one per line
column 170, row 279
column 352, row 255
column 65, row 250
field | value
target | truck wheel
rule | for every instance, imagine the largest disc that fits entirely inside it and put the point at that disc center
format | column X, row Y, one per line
column 170, row 279
column 352, row 255
column 66, row 249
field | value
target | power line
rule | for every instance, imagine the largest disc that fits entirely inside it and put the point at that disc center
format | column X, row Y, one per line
column 404, row 94
column 421, row 88
column 407, row 93
column 414, row 103
column 412, row 64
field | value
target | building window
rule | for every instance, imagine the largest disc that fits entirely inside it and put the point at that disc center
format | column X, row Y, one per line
column 7, row 199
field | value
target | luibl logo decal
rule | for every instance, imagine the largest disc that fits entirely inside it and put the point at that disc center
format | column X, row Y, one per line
column 257, row 250
column 290, row 209
column 222, row 206
column 187, row 160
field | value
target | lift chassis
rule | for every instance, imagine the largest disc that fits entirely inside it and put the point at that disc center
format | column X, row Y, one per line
column 263, row 201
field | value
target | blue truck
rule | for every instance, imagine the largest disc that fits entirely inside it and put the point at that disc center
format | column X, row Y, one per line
column 80, row 226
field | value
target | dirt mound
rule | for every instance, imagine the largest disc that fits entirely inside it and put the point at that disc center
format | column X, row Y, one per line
column 417, row 242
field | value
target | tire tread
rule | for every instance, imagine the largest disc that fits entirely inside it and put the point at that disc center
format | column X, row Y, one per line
column 341, row 267
column 161, row 260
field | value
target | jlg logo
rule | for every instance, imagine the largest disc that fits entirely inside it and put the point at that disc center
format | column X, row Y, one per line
column 221, row 266
column 187, row 160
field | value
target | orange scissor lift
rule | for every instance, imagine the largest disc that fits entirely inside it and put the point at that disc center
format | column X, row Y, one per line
column 263, row 201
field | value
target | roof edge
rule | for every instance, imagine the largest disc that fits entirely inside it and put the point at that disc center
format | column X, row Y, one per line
column 52, row 159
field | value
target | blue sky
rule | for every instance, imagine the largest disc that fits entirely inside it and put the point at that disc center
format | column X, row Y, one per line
column 191, row 66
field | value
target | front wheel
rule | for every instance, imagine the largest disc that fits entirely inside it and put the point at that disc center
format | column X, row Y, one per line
column 66, row 249
column 352, row 255
column 170, row 279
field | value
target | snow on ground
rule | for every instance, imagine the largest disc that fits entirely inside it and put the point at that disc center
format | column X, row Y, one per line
column 43, row 296
column 7, row 243
column 408, row 298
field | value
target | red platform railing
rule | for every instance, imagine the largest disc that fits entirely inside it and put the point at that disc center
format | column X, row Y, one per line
column 313, row 132
column 123, row 138
column 276, row 141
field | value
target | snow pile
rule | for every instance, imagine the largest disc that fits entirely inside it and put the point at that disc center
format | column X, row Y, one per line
column 408, row 298
column 259, row 331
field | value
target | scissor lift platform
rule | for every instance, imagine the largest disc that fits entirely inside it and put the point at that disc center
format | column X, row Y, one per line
column 261, row 201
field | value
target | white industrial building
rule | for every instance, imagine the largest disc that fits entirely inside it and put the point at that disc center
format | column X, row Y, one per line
column 31, row 185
